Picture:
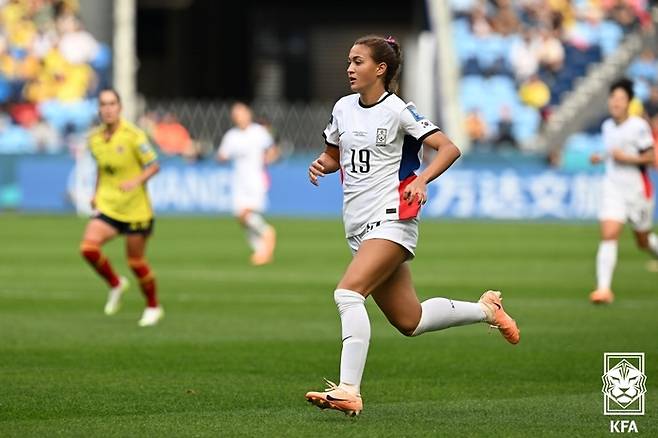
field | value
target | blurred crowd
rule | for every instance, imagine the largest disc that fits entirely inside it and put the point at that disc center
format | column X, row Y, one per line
column 518, row 58
column 50, row 70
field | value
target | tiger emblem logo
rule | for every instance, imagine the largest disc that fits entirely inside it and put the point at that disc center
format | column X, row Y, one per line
column 624, row 383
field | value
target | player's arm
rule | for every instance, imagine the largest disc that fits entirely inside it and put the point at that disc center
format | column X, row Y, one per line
column 147, row 173
column 446, row 154
column 645, row 157
column 327, row 162
column 222, row 156
column 272, row 154
column 93, row 197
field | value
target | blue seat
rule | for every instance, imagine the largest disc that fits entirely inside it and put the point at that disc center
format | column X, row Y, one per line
column 15, row 139
column 610, row 36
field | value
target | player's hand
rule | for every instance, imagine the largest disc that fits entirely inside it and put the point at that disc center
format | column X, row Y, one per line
column 130, row 185
column 315, row 171
column 596, row 158
column 416, row 191
column 619, row 156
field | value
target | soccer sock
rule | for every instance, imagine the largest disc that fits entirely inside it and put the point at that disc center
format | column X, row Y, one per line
column 92, row 253
column 653, row 244
column 356, row 337
column 146, row 280
column 441, row 313
column 256, row 226
column 606, row 259
column 254, row 239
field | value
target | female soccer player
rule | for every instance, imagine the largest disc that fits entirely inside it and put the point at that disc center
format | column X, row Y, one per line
column 251, row 147
column 627, row 191
column 375, row 139
column 125, row 161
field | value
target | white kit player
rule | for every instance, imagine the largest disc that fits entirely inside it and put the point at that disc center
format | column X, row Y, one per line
column 374, row 138
column 627, row 190
column 251, row 147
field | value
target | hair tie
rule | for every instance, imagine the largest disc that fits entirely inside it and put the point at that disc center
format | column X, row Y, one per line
column 391, row 40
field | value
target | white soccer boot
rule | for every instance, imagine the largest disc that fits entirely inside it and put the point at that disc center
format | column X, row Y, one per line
column 114, row 296
column 151, row 316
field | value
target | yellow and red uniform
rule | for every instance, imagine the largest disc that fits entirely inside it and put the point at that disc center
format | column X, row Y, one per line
column 119, row 159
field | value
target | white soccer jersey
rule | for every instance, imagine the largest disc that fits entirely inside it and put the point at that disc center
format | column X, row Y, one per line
column 246, row 147
column 633, row 136
column 380, row 152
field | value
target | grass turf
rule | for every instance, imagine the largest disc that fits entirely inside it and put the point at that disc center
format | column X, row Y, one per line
column 240, row 346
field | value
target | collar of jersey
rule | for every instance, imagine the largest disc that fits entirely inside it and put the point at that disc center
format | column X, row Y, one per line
column 122, row 122
column 381, row 99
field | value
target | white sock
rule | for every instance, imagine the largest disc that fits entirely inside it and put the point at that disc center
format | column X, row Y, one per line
column 256, row 222
column 256, row 226
column 653, row 244
column 441, row 313
column 606, row 259
column 355, row 335
column 254, row 239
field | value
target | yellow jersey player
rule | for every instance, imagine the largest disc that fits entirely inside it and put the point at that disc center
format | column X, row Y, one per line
column 125, row 162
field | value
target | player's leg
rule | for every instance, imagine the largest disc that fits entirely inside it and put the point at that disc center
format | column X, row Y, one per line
column 397, row 298
column 606, row 260
column 96, row 234
column 373, row 263
column 135, row 252
column 260, row 234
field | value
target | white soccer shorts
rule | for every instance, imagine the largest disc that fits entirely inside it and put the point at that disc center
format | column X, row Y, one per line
column 404, row 233
column 635, row 208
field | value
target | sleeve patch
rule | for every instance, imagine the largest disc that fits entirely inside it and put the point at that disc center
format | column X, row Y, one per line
column 415, row 114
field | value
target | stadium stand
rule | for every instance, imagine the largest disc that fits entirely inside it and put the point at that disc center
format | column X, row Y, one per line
column 50, row 70
column 521, row 57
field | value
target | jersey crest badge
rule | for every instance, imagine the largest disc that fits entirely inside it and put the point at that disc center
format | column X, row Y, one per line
column 381, row 137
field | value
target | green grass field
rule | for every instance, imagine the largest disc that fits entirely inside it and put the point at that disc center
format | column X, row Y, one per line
column 240, row 345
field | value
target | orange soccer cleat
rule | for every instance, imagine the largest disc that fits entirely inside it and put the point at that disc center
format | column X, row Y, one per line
column 602, row 296
column 336, row 398
column 498, row 318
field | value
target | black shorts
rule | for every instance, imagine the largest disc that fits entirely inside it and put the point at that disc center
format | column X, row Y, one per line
column 143, row 227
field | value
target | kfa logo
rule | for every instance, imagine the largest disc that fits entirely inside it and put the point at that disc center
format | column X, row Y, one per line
column 623, row 384
column 381, row 136
column 623, row 426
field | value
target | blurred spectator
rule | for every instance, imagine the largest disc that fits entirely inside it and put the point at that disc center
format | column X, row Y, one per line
column 551, row 51
column 651, row 107
column 645, row 67
column 76, row 45
column 46, row 137
column 535, row 93
column 48, row 71
column 524, row 55
column 505, row 135
column 476, row 128
column 170, row 135
column 480, row 22
column 505, row 21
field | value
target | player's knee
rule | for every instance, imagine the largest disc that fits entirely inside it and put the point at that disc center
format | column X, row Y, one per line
column 90, row 250
column 137, row 263
column 243, row 216
column 407, row 328
column 642, row 241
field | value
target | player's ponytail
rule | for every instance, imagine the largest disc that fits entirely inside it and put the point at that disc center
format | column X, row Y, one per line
column 388, row 51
